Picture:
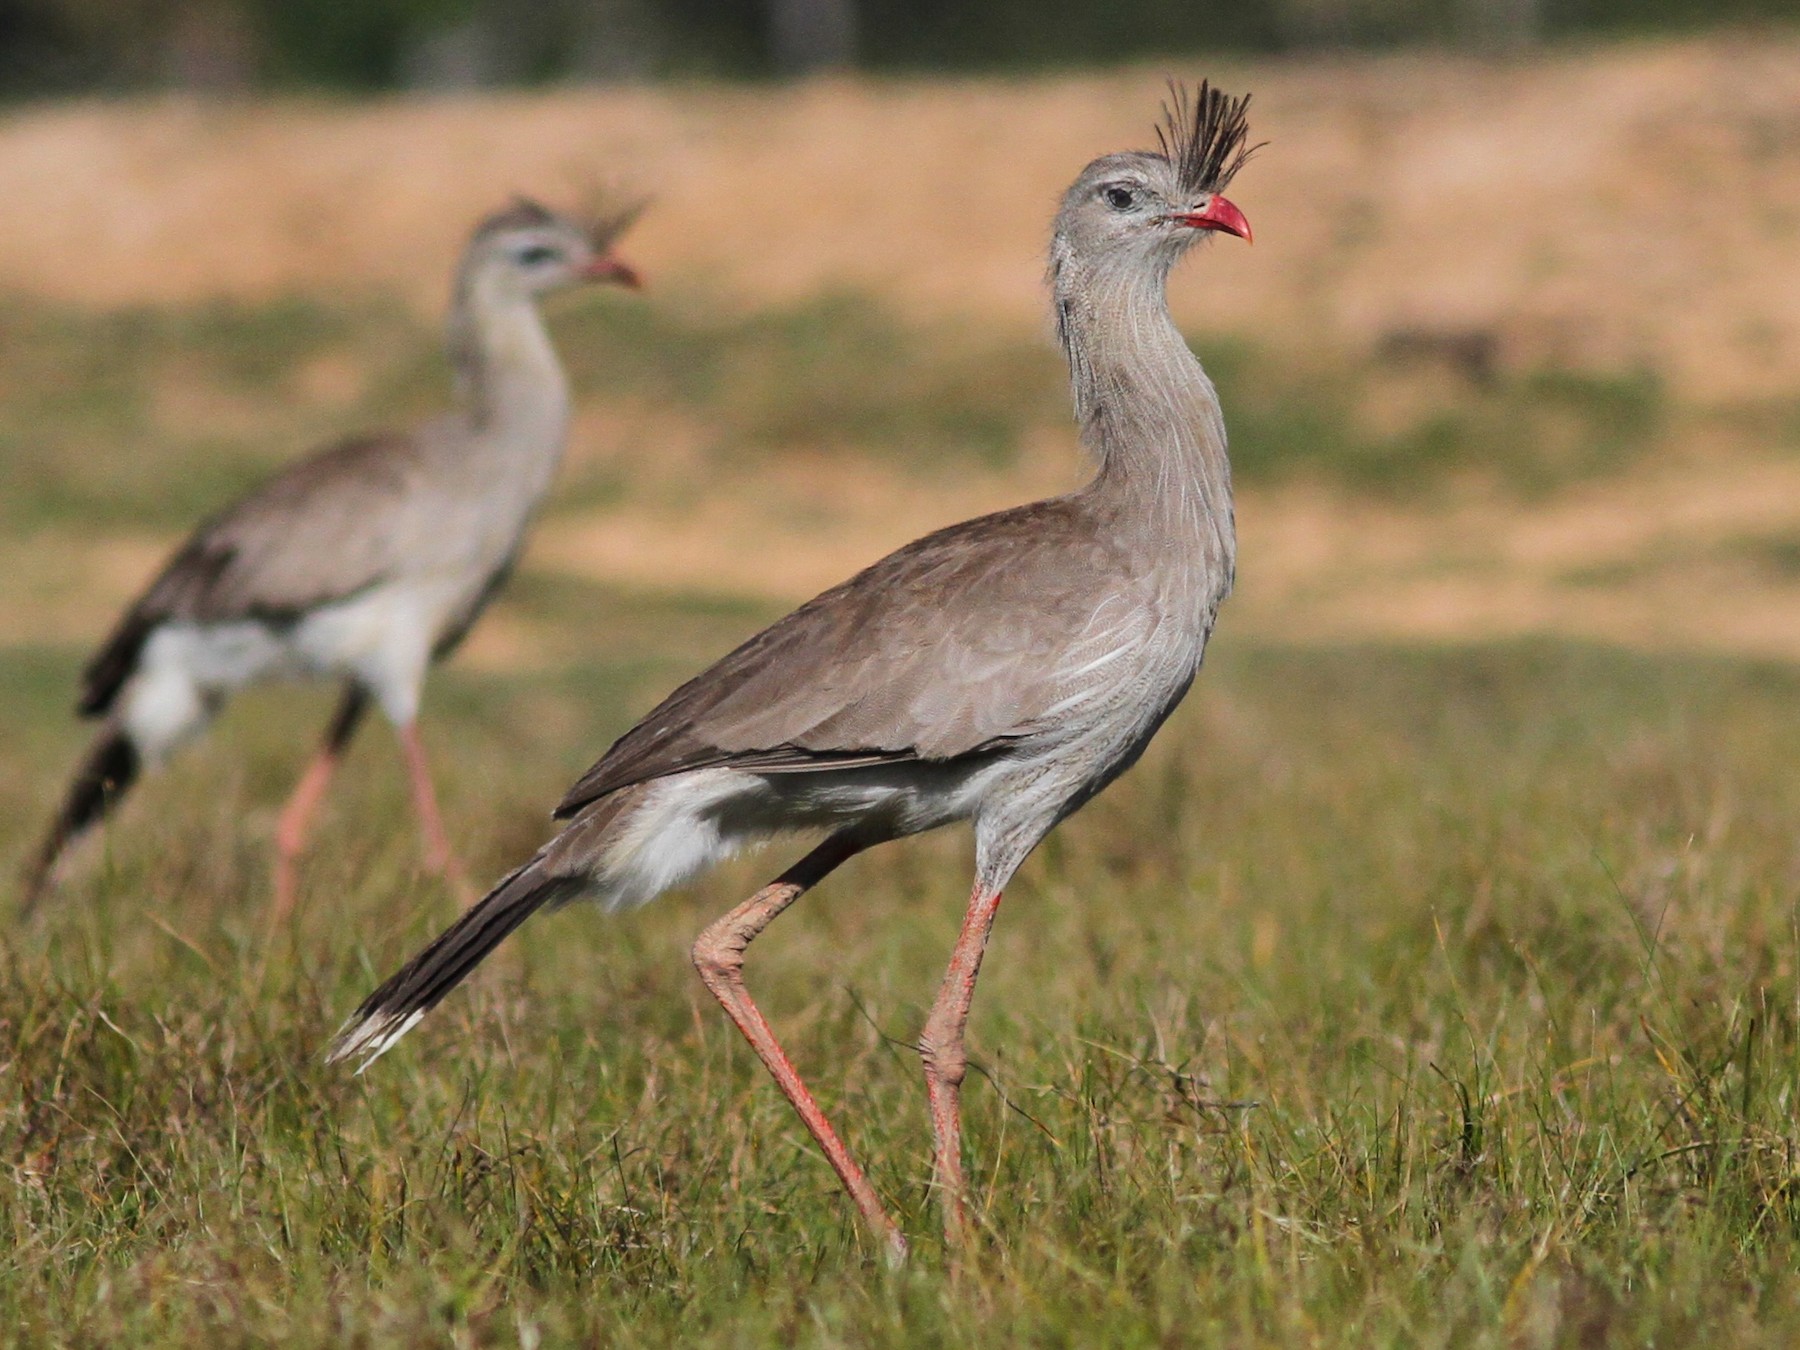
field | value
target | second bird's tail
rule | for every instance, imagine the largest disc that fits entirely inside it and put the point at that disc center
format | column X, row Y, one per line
column 107, row 771
column 416, row 988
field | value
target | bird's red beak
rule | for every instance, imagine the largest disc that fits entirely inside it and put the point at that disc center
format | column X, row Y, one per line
column 609, row 268
column 1219, row 214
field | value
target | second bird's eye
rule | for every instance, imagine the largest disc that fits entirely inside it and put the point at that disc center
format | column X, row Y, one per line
column 536, row 255
column 1120, row 199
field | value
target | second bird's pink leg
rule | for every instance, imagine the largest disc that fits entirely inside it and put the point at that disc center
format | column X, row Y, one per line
column 946, row 1061
column 719, row 957
column 302, row 805
column 438, row 855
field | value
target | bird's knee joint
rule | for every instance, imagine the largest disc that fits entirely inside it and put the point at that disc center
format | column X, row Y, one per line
column 718, row 957
column 944, row 1059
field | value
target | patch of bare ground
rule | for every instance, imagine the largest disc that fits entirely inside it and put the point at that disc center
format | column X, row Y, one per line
column 1665, row 559
column 791, row 528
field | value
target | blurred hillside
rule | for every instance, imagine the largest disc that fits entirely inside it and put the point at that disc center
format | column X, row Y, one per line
column 1517, row 348
column 1626, row 209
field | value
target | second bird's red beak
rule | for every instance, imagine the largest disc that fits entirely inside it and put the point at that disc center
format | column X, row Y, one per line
column 1218, row 214
column 609, row 268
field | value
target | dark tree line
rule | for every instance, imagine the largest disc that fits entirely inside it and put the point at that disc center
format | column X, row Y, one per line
column 50, row 46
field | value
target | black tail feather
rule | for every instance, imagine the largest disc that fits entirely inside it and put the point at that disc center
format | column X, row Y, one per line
column 107, row 771
column 418, row 986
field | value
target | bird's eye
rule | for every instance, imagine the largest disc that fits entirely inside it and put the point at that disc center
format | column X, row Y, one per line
column 1120, row 199
column 536, row 255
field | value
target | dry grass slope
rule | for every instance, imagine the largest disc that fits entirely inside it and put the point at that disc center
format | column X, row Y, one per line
column 1568, row 287
column 1634, row 206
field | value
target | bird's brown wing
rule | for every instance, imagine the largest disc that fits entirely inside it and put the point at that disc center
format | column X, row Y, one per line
column 311, row 535
column 951, row 646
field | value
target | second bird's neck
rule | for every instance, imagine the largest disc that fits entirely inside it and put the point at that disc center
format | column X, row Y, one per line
column 1147, row 413
column 516, row 395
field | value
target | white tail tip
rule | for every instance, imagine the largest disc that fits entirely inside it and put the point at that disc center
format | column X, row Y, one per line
column 371, row 1037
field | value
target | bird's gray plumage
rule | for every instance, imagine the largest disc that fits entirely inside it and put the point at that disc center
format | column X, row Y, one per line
column 324, row 530
column 1002, row 670
column 932, row 653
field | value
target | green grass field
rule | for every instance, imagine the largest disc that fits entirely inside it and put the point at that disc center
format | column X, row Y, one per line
column 1400, row 997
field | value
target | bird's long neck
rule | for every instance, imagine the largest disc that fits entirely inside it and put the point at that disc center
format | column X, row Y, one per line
column 1149, row 416
column 515, row 394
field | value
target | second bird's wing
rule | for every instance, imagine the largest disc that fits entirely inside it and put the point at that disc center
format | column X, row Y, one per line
column 961, row 642
column 323, row 530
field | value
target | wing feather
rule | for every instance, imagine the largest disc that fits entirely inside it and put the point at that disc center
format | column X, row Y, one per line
column 951, row 646
column 312, row 535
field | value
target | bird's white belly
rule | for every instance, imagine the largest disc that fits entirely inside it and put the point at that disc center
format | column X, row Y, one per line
column 185, row 670
column 686, row 823
column 381, row 638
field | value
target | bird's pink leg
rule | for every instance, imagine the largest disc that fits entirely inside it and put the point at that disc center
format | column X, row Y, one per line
column 719, row 957
column 296, row 817
column 941, row 1047
column 438, row 856
column 291, row 829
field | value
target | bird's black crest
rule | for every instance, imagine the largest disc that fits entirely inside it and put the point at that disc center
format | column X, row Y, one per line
column 1205, row 136
column 521, row 213
column 610, row 224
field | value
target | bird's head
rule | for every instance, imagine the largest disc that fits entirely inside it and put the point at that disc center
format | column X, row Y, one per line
column 1150, row 206
column 528, row 249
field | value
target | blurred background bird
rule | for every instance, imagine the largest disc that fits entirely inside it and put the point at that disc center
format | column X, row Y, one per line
column 364, row 563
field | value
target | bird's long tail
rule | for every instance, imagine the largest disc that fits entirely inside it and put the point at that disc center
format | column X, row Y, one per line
column 417, row 987
column 107, row 771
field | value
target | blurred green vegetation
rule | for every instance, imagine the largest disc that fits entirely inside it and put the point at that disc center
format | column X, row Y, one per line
column 835, row 372
column 49, row 46
column 1528, row 432
column 157, row 415
column 154, row 417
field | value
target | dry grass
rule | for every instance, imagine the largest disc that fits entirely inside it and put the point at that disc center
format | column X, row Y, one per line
column 1612, row 208
column 1551, row 213
column 1441, row 1000
column 768, row 457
